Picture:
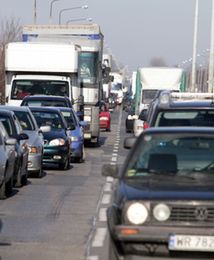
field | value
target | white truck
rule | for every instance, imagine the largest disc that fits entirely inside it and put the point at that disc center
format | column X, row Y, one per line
column 148, row 81
column 117, row 86
column 33, row 68
column 107, row 63
column 90, row 39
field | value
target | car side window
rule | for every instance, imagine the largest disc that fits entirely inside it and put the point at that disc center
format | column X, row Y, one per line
column 7, row 125
column 18, row 126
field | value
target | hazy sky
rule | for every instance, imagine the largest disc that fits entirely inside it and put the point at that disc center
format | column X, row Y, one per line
column 135, row 30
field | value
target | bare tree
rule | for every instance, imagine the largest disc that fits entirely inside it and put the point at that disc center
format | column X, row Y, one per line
column 158, row 62
column 10, row 30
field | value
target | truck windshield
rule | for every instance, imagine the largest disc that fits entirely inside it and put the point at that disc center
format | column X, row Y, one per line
column 88, row 67
column 148, row 95
column 116, row 87
column 22, row 88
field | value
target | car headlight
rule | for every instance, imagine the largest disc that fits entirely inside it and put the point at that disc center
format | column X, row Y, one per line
column 33, row 149
column 57, row 142
column 74, row 138
column 137, row 213
column 161, row 212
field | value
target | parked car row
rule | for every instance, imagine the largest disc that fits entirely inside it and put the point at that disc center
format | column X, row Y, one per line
column 43, row 131
column 163, row 199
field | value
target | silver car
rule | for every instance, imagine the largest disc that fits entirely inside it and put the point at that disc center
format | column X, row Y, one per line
column 7, row 162
column 35, row 141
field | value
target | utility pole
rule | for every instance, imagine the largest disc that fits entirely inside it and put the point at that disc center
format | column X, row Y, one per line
column 194, row 55
column 34, row 12
column 211, row 58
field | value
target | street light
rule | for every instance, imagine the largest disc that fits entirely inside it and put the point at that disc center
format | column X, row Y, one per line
column 51, row 7
column 72, row 8
column 34, row 12
column 193, row 81
column 79, row 19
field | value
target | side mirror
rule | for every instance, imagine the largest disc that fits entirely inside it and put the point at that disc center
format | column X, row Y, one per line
column 45, row 129
column 22, row 136
column 129, row 142
column 143, row 115
column 110, row 171
column 10, row 141
column 83, row 123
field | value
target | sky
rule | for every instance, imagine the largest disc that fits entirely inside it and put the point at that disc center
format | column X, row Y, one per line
column 135, row 31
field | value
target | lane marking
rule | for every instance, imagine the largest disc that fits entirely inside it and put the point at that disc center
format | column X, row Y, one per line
column 110, row 179
column 93, row 258
column 99, row 237
column 108, row 187
column 106, row 199
column 114, row 159
column 102, row 215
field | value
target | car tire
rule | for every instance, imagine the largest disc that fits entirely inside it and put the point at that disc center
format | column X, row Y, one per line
column 24, row 179
column 112, row 252
column 3, row 191
column 40, row 172
column 66, row 165
column 9, row 187
column 18, row 179
column 81, row 159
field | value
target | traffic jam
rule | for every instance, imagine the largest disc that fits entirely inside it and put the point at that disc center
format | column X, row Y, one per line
column 97, row 165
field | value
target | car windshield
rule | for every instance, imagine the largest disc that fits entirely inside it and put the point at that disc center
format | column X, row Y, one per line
column 22, row 88
column 69, row 118
column 25, row 120
column 177, row 155
column 185, row 118
column 48, row 119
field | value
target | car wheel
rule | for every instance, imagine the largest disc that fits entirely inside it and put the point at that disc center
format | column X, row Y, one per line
column 24, row 180
column 108, row 129
column 3, row 191
column 18, row 179
column 66, row 165
column 82, row 156
column 112, row 252
column 40, row 172
column 9, row 186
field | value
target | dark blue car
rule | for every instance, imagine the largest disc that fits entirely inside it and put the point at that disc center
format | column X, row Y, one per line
column 56, row 141
column 75, row 132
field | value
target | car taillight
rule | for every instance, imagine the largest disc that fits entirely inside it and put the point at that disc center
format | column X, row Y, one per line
column 145, row 125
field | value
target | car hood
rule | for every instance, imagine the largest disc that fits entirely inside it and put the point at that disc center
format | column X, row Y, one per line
column 54, row 134
column 152, row 189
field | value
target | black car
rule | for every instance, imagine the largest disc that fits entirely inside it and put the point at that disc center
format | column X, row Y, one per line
column 48, row 101
column 164, row 197
column 56, row 141
column 14, row 130
column 181, row 109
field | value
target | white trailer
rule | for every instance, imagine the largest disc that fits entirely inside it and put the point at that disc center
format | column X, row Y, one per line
column 117, row 86
column 40, row 68
column 90, row 40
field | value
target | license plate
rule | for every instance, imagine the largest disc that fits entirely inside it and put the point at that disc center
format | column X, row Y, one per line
column 87, row 136
column 191, row 243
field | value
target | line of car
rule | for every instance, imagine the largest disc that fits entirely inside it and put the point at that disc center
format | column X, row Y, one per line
column 163, row 198
column 43, row 131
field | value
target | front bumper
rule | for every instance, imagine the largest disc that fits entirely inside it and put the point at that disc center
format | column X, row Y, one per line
column 76, row 149
column 34, row 162
column 55, row 154
column 137, row 239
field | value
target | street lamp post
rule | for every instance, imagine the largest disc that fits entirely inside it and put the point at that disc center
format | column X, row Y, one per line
column 51, row 8
column 193, row 81
column 211, row 58
column 34, row 12
column 72, row 8
column 79, row 19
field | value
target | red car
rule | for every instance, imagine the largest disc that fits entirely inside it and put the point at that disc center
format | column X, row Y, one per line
column 105, row 117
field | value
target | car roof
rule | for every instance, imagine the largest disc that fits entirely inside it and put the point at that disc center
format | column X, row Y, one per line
column 6, row 112
column 190, row 104
column 46, row 109
column 45, row 97
column 15, row 108
column 179, row 129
